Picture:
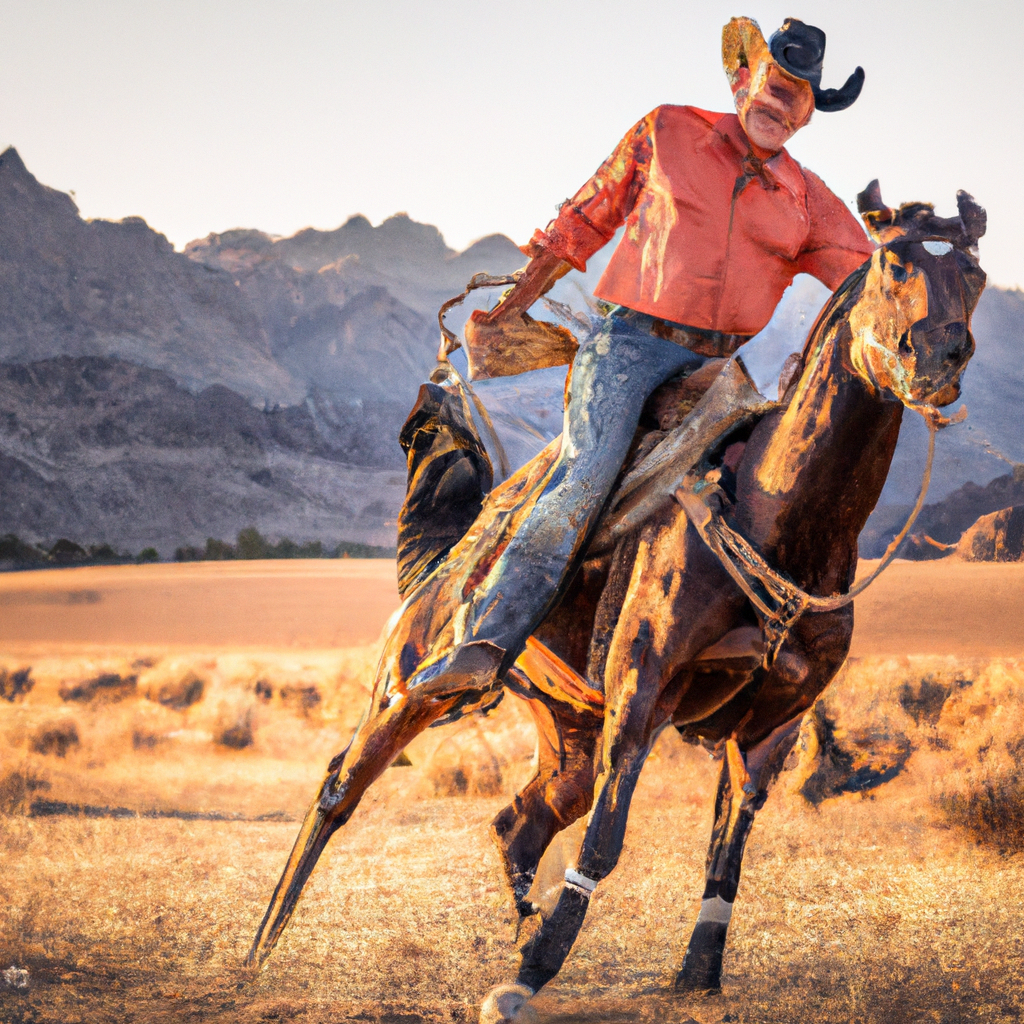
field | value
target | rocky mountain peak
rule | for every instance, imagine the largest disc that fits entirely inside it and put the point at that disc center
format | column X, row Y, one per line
column 70, row 287
column 23, row 198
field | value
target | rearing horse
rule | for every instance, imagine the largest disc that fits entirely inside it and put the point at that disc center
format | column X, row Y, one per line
column 660, row 631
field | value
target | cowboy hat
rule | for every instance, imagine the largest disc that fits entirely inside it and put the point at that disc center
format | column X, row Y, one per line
column 796, row 48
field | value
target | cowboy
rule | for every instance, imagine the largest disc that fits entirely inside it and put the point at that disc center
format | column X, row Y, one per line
column 719, row 219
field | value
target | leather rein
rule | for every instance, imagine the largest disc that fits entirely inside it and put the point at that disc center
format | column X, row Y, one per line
column 778, row 600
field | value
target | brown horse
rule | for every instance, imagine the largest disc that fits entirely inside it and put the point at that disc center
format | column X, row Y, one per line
column 659, row 631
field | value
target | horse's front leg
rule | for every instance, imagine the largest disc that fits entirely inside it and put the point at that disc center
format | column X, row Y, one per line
column 752, row 763
column 662, row 626
column 742, row 790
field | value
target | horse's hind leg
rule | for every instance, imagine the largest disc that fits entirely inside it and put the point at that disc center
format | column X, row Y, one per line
column 391, row 725
column 559, row 793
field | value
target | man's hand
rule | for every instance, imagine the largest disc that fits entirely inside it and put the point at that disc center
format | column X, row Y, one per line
column 513, row 342
column 507, row 340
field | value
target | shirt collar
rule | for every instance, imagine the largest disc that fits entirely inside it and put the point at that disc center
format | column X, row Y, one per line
column 781, row 166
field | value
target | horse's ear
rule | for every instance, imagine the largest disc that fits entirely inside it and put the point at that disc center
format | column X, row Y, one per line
column 879, row 219
column 972, row 216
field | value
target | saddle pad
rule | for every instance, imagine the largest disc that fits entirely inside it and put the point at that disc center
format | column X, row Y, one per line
column 549, row 674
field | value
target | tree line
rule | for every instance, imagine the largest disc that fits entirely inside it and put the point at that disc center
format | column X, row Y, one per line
column 16, row 553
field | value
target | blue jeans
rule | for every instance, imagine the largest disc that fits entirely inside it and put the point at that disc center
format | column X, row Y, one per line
column 613, row 375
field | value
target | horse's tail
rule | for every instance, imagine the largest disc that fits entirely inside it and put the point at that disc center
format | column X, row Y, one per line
column 449, row 474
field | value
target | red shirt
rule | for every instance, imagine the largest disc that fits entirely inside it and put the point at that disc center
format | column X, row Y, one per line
column 711, row 240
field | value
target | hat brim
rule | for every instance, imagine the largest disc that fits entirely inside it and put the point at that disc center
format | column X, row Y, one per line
column 743, row 46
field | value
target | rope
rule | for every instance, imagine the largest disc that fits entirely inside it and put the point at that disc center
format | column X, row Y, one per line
column 744, row 564
column 450, row 342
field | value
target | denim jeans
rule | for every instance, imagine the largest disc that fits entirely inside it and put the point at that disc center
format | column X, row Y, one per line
column 613, row 375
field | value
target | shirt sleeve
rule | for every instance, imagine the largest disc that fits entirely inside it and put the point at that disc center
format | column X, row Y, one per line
column 836, row 244
column 589, row 220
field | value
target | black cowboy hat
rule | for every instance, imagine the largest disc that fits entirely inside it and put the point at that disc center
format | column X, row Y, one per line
column 799, row 50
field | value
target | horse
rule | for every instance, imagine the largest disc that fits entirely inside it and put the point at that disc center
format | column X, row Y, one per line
column 669, row 627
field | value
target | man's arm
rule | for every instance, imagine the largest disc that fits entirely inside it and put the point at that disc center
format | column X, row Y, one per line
column 836, row 244
column 538, row 279
column 584, row 223
column 588, row 221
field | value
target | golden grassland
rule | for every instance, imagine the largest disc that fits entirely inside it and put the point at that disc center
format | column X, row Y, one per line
column 899, row 903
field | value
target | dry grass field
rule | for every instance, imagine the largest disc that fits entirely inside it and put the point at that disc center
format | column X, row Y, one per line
column 163, row 727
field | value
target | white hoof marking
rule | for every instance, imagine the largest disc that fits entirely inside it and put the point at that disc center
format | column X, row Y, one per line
column 508, row 1004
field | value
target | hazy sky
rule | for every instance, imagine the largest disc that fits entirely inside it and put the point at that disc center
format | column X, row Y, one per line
column 476, row 117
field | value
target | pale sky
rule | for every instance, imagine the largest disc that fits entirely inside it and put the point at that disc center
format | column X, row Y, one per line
column 203, row 115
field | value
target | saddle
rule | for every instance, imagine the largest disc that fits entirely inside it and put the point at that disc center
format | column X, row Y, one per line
column 686, row 427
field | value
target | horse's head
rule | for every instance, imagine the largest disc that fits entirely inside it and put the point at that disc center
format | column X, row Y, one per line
column 911, row 323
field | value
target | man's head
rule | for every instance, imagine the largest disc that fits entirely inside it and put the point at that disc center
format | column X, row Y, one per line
column 776, row 85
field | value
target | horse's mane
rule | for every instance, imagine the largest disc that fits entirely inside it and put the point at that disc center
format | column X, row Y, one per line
column 836, row 310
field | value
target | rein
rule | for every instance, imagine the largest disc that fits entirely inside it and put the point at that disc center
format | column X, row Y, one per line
column 752, row 573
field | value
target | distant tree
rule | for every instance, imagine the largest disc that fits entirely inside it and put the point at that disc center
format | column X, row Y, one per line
column 14, row 549
column 67, row 552
column 351, row 549
column 287, row 548
column 218, row 550
column 149, row 555
column 104, row 554
column 250, row 544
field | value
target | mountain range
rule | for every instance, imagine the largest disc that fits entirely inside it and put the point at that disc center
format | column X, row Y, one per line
column 150, row 397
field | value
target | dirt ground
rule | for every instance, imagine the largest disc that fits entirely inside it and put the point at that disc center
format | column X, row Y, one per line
column 945, row 607
column 147, row 818
column 301, row 603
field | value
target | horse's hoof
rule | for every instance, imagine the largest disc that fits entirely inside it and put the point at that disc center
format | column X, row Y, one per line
column 508, row 1004
column 689, row 982
column 702, row 965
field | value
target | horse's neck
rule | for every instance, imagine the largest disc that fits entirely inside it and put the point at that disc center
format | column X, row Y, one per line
column 813, row 471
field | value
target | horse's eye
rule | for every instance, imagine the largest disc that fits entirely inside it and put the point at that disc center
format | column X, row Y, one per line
column 899, row 272
column 937, row 248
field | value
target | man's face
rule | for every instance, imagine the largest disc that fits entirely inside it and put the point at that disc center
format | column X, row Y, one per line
column 772, row 106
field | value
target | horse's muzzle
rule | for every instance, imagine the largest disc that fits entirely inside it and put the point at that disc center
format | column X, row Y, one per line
column 941, row 354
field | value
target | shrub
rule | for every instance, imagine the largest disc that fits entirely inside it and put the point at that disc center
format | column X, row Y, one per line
column 14, row 685
column 106, row 689
column 56, row 739
column 149, row 555
column 991, row 811
column 300, row 698
column 182, row 693
column 237, row 736
column 104, row 554
column 67, row 552
column 17, row 787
